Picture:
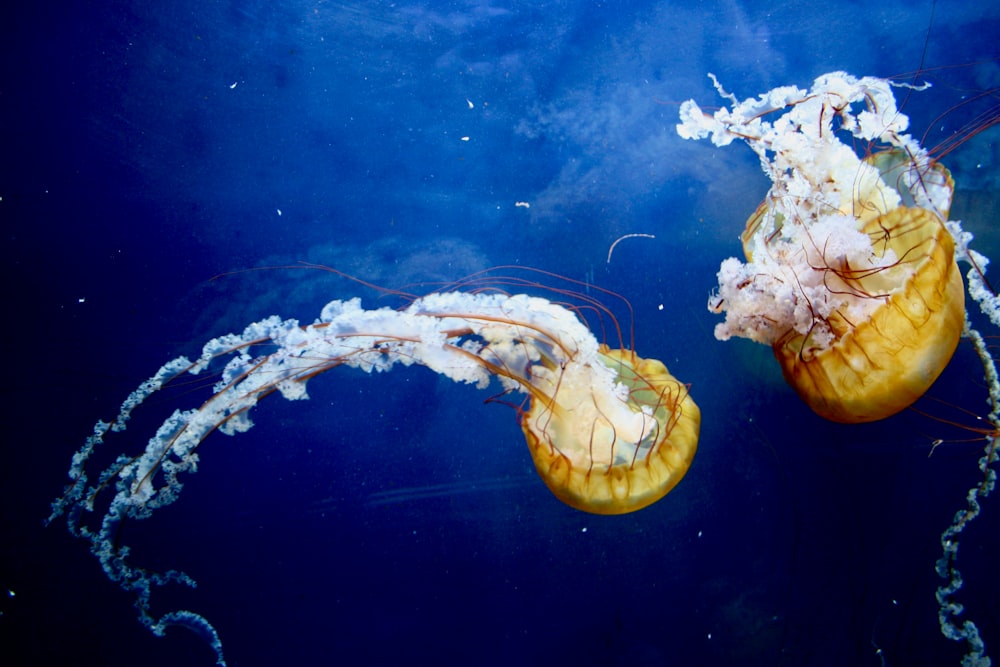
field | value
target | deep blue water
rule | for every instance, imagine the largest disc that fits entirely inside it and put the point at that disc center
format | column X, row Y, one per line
column 150, row 147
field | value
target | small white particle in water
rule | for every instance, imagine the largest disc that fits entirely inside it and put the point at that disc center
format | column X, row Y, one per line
column 279, row 211
column 583, row 530
column 699, row 533
column 660, row 307
column 233, row 85
column 465, row 138
column 81, row 300
column 469, row 102
column 522, row 204
column 709, row 635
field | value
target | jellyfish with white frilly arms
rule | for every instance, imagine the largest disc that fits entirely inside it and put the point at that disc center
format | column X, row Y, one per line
column 609, row 432
column 850, row 270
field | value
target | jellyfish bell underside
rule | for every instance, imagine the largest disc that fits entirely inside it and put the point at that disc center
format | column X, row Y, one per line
column 850, row 271
column 617, row 456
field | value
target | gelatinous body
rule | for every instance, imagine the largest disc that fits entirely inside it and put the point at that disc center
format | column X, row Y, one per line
column 584, row 459
column 876, row 367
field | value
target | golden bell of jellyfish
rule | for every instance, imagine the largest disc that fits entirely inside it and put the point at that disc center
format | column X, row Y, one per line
column 850, row 274
column 877, row 367
column 588, row 464
column 609, row 432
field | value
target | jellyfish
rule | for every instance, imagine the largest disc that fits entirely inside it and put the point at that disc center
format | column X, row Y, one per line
column 608, row 431
column 850, row 271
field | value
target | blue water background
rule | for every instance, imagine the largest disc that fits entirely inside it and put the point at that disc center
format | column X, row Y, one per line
column 149, row 147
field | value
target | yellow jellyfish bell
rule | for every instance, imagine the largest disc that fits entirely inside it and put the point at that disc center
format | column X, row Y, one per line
column 876, row 367
column 614, row 454
column 850, row 273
